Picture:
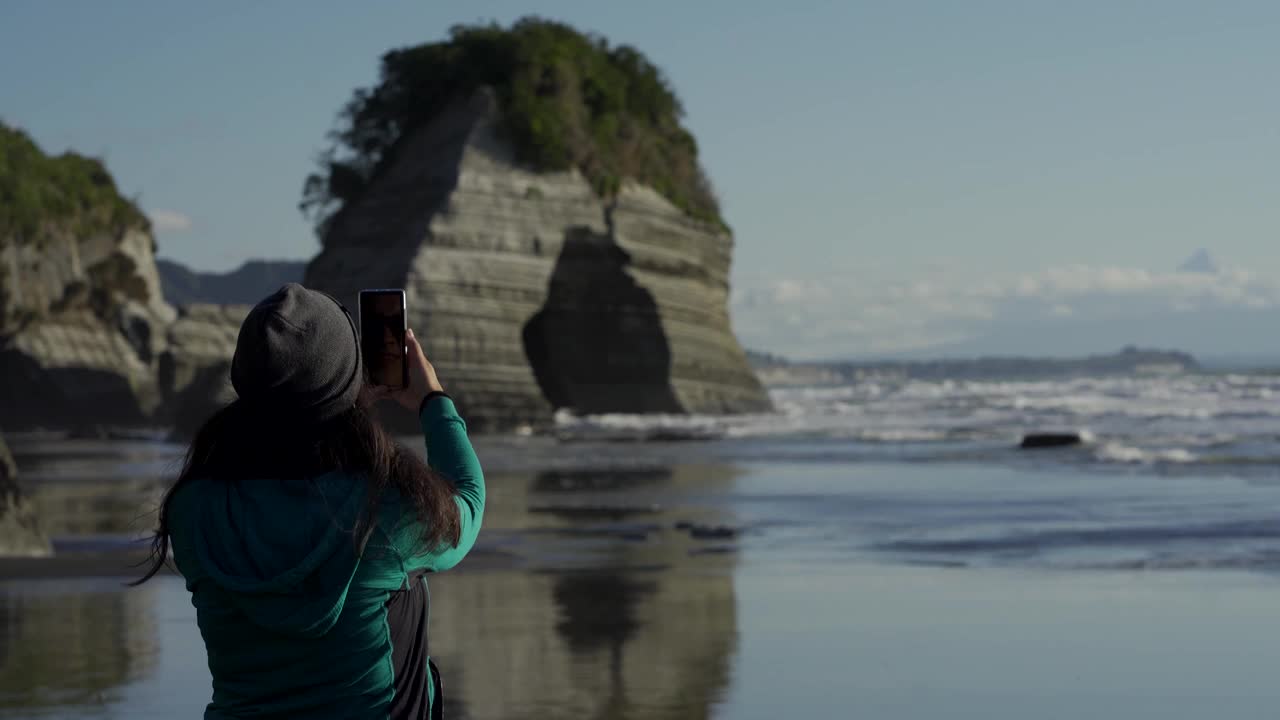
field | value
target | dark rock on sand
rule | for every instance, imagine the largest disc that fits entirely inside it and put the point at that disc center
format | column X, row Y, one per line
column 20, row 533
column 1034, row 441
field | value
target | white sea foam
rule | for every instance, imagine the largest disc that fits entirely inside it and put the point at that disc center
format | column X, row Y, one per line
column 637, row 427
column 899, row 435
column 1135, row 420
column 1118, row 453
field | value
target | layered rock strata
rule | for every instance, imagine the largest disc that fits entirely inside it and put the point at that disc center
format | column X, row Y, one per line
column 530, row 293
column 195, row 369
column 82, row 325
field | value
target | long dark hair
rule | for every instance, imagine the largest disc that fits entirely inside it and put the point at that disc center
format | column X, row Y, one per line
column 241, row 444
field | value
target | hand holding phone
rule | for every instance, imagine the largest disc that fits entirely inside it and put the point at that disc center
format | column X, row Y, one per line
column 422, row 379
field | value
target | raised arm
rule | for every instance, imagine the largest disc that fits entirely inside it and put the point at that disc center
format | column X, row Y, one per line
column 450, row 454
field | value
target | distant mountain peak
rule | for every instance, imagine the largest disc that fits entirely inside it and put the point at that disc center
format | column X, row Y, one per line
column 1199, row 262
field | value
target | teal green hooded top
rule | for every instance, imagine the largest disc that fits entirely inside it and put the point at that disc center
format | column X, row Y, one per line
column 294, row 621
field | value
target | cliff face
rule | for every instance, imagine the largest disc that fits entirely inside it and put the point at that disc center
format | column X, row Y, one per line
column 81, row 311
column 195, row 369
column 20, row 532
column 81, row 327
column 530, row 293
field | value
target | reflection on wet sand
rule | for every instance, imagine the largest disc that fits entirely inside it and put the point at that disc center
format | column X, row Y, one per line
column 94, row 487
column 607, row 645
column 74, row 645
column 637, row 629
column 566, row 518
column 585, row 599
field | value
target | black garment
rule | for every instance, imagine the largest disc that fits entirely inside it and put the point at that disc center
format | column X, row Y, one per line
column 407, row 613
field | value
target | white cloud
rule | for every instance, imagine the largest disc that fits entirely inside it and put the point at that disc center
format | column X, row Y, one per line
column 164, row 221
column 866, row 315
column 1232, row 287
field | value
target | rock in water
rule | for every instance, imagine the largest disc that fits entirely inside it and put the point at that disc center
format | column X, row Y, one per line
column 20, row 533
column 1050, row 440
column 531, row 293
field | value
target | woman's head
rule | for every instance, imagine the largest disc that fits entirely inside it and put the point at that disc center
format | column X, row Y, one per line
column 298, row 357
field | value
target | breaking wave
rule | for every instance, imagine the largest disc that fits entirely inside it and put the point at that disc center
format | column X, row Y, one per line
column 1156, row 422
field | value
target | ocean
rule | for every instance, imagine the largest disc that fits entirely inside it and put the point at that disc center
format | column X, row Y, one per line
column 1225, row 423
column 879, row 550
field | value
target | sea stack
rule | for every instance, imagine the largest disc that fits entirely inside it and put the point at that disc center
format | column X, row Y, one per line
column 542, row 271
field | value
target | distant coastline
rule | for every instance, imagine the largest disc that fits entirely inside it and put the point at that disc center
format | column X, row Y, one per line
column 780, row 372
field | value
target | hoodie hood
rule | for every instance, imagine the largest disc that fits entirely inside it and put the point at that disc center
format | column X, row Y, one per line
column 283, row 550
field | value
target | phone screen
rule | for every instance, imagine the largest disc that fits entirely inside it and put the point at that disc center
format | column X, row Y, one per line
column 382, row 330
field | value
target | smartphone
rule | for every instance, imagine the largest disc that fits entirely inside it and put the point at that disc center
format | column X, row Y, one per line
column 383, row 323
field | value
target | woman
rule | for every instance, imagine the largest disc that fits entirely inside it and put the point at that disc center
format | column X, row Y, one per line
column 304, row 531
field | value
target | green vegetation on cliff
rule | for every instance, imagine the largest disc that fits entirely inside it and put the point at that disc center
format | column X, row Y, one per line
column 568, row 100
column 39, row 192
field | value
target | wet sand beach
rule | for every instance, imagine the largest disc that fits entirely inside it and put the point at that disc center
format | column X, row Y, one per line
column 660, row 581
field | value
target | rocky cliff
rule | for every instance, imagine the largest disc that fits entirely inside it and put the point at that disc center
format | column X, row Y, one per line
column 81, row 312
column 91, row 358
column 530, row 292
column 20, row 532
column 195, row 368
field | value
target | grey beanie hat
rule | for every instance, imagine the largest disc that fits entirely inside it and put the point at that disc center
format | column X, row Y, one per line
column 298, row 355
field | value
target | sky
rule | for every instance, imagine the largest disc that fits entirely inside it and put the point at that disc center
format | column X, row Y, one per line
column 902, row 177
